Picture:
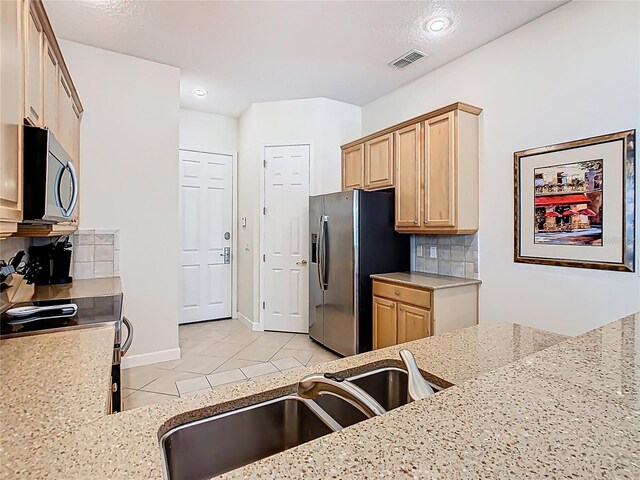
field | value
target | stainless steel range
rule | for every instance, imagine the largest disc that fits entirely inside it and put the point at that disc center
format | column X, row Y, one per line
column 38, row 317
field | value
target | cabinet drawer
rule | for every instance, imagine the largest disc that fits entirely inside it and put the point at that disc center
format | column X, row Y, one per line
column 413, row 296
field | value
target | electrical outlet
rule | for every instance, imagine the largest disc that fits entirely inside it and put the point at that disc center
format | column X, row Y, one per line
column 420, row 251
column 433, row 252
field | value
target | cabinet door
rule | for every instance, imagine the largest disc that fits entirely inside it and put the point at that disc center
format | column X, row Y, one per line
column 33, row 91
column 413, row 323
column 408, row 186
column 67, row 120
column 378, row 162
column 50, row 118
column 439, row 187
column 384, row 323
column 69, row 130
column 11, row 115
column 353, row 167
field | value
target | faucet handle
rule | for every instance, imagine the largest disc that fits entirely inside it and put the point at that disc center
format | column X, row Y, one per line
column 418, row 388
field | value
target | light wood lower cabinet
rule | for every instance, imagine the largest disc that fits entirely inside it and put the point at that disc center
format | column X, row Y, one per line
column 413, row 323
column 403, row 313
column 385, row 320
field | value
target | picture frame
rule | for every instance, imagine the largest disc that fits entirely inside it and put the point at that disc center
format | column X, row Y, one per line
column 574, row 203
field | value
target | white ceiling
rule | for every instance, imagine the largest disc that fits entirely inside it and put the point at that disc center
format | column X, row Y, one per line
column 245, row 52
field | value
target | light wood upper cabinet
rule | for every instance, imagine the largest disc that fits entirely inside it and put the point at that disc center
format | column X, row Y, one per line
column 50, row 90
column 36, row 90
column 384, row 323
column 34, row 77
column 11, row 115
column 439, row 165
column 408, row 167
column 448, row 176
column 69, row 120
column 353, row 167
column 413, row 323
column 432, row 161
column 379, row 163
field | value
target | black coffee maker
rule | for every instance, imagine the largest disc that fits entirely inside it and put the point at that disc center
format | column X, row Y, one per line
column 55, row 260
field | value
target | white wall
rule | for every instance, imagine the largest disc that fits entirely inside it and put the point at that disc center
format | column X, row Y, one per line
column 207, row 132
column 571, row 74
column 325, row 123
column 129, row 180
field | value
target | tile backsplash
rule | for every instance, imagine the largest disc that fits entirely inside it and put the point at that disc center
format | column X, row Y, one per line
column 455, row 255
column 96, row 254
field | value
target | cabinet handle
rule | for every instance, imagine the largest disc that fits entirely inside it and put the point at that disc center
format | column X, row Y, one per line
column 402, row 309
column 397, row 292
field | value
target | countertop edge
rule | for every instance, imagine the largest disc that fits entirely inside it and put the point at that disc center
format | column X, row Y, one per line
column 461, row 283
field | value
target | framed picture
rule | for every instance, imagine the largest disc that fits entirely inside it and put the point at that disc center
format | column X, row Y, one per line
column 575, row 203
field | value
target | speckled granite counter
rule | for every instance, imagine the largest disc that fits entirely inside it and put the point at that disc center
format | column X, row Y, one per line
column 52, row 383
column 125, row 445
column 425, row 280
column 94, row 287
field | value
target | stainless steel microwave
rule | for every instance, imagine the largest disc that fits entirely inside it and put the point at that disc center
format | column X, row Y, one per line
column 50, row 179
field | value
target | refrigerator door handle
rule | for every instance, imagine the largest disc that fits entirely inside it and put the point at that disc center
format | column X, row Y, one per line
column 321, row 254
column 319, row 260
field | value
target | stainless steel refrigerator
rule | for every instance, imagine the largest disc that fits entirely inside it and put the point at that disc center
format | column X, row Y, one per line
column 352, row 236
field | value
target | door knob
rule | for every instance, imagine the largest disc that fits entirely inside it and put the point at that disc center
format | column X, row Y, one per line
column 301, row 262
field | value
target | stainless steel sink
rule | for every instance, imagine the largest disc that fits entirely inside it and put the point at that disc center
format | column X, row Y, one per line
column 387, row 385
column 215, row 445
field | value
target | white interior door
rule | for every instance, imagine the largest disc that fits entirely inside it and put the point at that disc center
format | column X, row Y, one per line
column 205, row 223
column 286, row 245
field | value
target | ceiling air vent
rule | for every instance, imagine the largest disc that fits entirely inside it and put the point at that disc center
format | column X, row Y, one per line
column 408, row 58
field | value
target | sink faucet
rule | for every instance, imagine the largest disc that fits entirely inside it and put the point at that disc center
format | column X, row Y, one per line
column 316, row 384
column 418, row 386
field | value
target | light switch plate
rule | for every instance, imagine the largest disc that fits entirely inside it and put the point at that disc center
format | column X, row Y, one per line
column 433, row 252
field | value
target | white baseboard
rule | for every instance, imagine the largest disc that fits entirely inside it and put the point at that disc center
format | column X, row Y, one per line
column 245, row 321
column 149, row 358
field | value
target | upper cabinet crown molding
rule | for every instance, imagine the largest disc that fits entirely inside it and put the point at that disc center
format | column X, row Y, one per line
column 37, row 89
column 432, row 161
column 463, row 107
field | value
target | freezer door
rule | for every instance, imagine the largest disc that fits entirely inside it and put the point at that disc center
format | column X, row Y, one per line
column 340, row 326
column 316, row 294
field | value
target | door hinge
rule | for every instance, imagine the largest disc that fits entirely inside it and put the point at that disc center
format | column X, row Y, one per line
column 264, row 163
column 264, row 304
column 264, row 258
column 264, row 210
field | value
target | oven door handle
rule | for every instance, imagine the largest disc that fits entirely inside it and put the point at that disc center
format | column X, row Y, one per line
column 127, row 344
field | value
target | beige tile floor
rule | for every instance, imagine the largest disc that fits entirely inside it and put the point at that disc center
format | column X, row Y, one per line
column 217, row 353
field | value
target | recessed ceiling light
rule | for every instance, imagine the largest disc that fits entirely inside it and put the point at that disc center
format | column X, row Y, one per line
column 198, row 92
column 438, row 24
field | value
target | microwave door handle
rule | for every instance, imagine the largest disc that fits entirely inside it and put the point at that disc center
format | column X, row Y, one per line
column 74, row 185
column 56, row 188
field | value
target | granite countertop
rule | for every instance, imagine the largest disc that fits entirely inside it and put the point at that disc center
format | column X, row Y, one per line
column 425, row 280
column 125, row 445
column 94, row 287
column 525, row 404
column 52, row 383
